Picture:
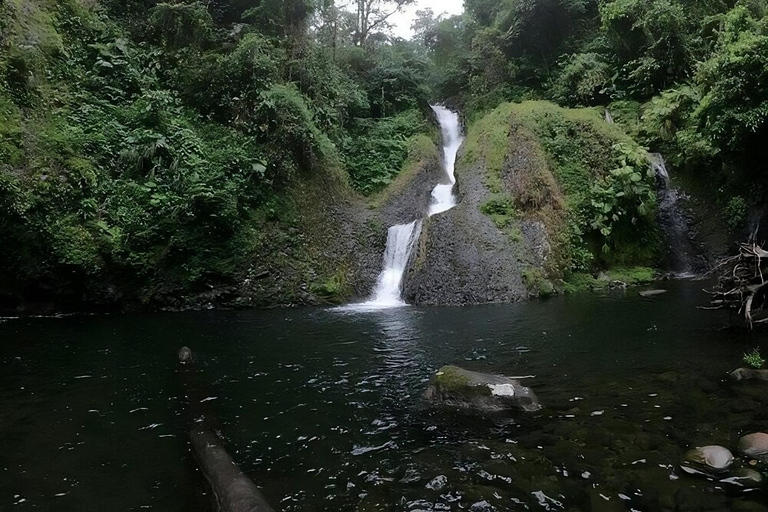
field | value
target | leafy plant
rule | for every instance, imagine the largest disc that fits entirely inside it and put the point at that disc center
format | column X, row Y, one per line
column 735, row 212
column 754, row 358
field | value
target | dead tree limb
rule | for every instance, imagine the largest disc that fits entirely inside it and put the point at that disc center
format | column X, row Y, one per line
column 741, row 284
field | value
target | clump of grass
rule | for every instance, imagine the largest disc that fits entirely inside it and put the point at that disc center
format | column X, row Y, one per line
column 754, row 359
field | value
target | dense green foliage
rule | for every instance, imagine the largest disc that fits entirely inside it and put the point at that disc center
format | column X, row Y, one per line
column 686, row 77
column 589, row 173
column 151, row 148
column 143, row 144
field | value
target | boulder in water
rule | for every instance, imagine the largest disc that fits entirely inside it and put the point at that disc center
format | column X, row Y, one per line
column 755, row 446
column 456, row 387
column 713, row 457
column 749, row 374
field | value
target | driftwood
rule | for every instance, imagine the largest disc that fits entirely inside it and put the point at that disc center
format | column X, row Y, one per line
column 741, row 284
column 232, row 490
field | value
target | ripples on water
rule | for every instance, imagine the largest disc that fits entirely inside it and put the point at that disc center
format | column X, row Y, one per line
column 322, row 408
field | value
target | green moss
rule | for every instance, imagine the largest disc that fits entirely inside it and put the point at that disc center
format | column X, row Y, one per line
column 487, row 142
column 501, row 210
column 334, row 289
column 537, row 283
column 632, row 276
column 451, row 379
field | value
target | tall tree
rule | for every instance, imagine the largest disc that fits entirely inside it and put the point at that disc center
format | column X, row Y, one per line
column 374, row 15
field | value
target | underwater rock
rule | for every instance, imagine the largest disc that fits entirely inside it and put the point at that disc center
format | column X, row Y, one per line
column 185, row 355
column 755, row 446
column 652, row 293
column 456, row 387
column 744, row 477
column 749, row 374
column 711, row 457
column 437, row 483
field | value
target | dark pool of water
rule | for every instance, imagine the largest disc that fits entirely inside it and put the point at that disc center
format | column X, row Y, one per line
column 323, row 408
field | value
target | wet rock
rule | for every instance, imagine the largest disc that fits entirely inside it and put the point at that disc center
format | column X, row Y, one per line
column 652, row 293
column 755, row 446
column 437, row 483
column 411, row 476
column 744, row 477
column 456, row 387
column 482, row 506
column 463, row 257
column 711, row 457
column 185, row 355
column 748, row 374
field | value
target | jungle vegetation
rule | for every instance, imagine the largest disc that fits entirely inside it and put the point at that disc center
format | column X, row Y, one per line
column 149, row 141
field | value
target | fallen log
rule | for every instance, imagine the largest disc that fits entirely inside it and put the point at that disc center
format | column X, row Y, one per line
column 232, row 489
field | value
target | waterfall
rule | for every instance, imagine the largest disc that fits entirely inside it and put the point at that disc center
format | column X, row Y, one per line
column 450, row 129
column 400, row 242
column 682, row 258
column 401, row 239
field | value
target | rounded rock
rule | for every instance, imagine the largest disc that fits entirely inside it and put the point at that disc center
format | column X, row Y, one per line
column 755, row 446
column 713, row 457
column 185, row 355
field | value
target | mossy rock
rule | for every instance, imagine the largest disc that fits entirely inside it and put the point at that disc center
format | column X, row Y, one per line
column 455, row 387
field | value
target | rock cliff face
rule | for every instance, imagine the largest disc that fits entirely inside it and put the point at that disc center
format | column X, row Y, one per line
column 487, row 249
column 463, row 257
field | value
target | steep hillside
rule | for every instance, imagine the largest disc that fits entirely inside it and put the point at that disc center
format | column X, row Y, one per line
column 547, row 195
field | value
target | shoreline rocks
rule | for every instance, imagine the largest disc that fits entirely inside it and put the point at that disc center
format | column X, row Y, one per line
column 455, row 387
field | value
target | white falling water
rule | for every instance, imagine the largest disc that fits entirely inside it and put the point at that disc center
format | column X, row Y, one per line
column 400, row 242
column 442, row 195
column 402, row 238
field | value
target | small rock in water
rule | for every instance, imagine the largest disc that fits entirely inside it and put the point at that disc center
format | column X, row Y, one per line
column 437, row 483
column 712, row 457
column 185, row 355
column 755, row 446
column 482, row 506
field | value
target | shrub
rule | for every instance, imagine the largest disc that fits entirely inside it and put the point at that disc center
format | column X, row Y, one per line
column 754, row 359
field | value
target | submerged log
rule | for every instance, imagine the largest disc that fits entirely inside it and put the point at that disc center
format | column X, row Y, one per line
column 231, row 488
column 741, row 284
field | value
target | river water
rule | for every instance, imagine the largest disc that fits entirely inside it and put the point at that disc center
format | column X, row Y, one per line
column 323, row 407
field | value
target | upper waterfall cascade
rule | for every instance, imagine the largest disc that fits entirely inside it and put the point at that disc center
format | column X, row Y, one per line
column 682, row 260
column 443, row 198
column 402, row 238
